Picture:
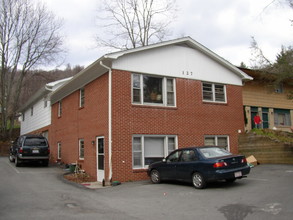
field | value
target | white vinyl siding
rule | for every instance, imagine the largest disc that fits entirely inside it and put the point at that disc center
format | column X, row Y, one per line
column 41, row 118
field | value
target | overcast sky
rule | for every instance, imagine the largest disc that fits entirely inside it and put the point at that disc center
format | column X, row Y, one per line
column 223, row 26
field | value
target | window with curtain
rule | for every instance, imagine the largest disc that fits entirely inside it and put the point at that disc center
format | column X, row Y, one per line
column 153, row 90
column 147, row 149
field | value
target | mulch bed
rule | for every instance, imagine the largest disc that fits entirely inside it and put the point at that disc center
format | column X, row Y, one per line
column 79, row 178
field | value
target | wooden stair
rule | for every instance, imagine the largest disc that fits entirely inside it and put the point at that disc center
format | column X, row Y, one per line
column 265, row 150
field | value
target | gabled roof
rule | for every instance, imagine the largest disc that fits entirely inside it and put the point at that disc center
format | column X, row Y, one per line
column 95, row 70
column 42, row 93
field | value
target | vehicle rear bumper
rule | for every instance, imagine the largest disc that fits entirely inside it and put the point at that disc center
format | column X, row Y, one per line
column 33, row 157
column 223, row 174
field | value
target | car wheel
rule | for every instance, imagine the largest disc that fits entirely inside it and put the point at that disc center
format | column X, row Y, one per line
column 45, row 163
column 11, row 159
column 198, row 181
column 17, row 161
column 155, row 176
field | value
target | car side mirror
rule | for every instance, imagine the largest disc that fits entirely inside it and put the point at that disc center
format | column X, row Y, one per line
column 164, row 160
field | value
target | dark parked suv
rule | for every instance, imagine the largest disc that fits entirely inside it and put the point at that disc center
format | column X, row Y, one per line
column 30, row 148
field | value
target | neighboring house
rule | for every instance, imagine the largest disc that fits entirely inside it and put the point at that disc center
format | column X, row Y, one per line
column 272, row 104
column 36, row 112
column 131, row 108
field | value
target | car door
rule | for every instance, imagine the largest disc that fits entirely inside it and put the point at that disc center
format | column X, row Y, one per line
column 168, row 169
column 187, row 164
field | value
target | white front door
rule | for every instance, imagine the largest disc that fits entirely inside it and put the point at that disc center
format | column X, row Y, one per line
column 100, row 159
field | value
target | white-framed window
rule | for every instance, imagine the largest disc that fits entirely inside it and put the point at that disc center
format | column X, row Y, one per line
column 214, row 92
column 147, row 149
column 32, row 110
column 81, row 149
column 59, row 151
column 282, row 117
column 59, row 108
column 153, row 90
column 81, row 97
column 217, row 140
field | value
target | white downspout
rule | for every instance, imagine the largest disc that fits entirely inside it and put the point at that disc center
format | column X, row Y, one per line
column 110, row 117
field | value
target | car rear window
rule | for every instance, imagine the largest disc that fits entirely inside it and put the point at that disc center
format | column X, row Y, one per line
column 35, row 141
column 212, row 152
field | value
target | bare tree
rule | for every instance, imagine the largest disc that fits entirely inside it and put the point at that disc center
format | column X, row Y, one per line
column 134, row 23
column 28, row 37
column 276, row 72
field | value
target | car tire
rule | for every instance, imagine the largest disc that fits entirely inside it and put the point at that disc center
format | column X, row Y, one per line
column 155, row 176
column 198, row 181
column 17, row 161
column 45, row 163
column 11, row 159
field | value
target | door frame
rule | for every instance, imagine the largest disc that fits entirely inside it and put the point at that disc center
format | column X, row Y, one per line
column 100, row 173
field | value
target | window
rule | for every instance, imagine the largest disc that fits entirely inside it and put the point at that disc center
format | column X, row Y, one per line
column 218, row 140
column 45, row 102
column 282, row 117
column 59, row 108
column 59, row 150
column 213, row 92
column 23, row 116
column 32, row 110
column 81, row 97
column 279, row 88
column 81, row 149
column 153, row 90
column 149, row 149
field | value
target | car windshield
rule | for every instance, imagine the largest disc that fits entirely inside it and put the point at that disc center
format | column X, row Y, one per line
column 35, row 141
column 212, row 152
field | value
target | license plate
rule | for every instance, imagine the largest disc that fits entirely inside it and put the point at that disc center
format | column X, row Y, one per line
column 36, row 151
column 238, row 174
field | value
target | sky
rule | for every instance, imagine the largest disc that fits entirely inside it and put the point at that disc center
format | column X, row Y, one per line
column 223, row 26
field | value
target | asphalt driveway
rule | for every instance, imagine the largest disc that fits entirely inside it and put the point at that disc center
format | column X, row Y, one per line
column 30, row 192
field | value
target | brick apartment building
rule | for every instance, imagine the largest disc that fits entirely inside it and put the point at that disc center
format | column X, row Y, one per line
column 131, row 108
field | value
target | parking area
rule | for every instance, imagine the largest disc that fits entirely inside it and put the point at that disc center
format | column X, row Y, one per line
column 40, row 193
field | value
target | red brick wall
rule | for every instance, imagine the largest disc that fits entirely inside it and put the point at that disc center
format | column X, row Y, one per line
column 81, row 123
column 190, row 120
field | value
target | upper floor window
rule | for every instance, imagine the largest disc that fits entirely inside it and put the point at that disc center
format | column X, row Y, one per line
column 32, row 110
column 23, row 116
column 213, row 92
column 59, row 108
column 153, row 90
column 81, row 97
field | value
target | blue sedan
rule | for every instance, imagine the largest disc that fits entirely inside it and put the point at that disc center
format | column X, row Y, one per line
column 199, row 165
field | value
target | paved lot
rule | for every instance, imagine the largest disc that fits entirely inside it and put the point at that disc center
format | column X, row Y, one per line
column 40, row 193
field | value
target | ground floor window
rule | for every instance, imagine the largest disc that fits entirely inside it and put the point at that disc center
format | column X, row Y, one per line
column 217, row 140
column 59, row 150
column 81, row 149
column 282, row 117
column 147, row 149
